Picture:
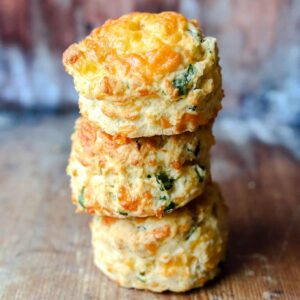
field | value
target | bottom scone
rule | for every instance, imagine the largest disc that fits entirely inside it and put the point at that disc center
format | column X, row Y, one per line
column 181, row 251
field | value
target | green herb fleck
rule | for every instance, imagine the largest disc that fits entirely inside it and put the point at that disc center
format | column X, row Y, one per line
column 81, row 197
column 165, row 182
column 141, row 228
column 196, row 34
column 193, row 150
column 123, row 213
column 190, row 232
column 192, row 108
column 148, row 176
column 182, row 81
column 141, row 276
column 190, row 73
column 189, row 148
column 200, row 173
column 170, row 207
column 164, row 198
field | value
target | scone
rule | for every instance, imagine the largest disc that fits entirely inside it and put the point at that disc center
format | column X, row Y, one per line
column 121, row 177
column 147, row 74
column 179, row 252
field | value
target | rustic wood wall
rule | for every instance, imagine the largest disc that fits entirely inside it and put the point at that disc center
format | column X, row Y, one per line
column 259, row 42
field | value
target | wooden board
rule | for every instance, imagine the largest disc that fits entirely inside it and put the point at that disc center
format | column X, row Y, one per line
column 45, row 248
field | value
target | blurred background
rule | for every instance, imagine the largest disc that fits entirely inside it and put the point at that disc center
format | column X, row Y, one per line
column 259, row 47
column 255, row 160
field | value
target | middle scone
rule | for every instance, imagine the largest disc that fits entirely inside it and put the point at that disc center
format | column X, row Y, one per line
column 119, row 177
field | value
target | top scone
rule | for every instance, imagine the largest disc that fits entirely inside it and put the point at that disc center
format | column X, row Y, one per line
column 147, row 74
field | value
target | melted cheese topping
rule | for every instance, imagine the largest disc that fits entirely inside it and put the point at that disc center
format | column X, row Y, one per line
column 130, row 56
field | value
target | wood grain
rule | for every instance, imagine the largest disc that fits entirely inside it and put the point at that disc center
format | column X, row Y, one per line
column 45, row 248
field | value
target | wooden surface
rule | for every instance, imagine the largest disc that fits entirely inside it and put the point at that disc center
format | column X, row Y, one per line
column 45, row 248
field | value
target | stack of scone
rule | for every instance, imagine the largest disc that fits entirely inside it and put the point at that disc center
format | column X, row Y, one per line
column 149, row 90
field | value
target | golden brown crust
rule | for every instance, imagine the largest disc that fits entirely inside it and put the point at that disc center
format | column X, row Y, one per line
column 178, row 252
